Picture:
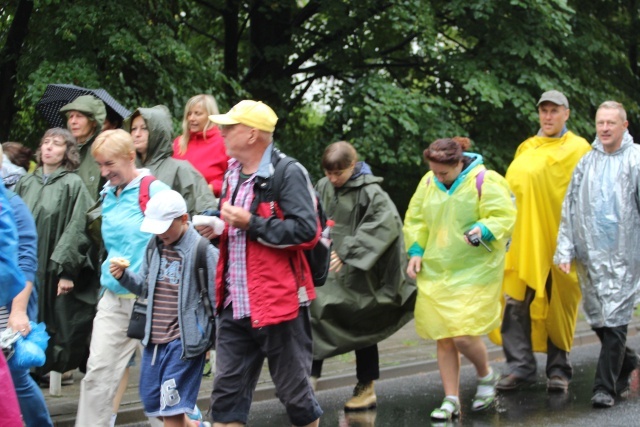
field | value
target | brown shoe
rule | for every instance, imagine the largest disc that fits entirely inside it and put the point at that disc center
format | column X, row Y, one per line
column 557, row 384
column 511, row 382
column 364, row 397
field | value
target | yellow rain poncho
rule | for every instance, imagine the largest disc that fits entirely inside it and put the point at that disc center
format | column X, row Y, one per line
column 539, row 176
column 459, row 285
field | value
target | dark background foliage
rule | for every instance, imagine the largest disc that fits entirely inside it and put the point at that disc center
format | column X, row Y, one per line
column 390, row 76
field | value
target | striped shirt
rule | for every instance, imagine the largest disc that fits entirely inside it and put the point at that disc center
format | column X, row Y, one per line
column 164, row 319
column 236, row 271
column 4, row 318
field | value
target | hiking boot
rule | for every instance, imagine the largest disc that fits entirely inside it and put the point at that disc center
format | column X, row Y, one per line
column 557, row 384
column 364, row 397
column 602, row 399
column 511, row 382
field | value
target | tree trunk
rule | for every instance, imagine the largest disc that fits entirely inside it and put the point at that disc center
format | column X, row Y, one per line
column 9, row 57
column 270, row 46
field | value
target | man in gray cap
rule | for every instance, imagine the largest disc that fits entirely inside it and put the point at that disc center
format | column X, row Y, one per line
column 541, row 302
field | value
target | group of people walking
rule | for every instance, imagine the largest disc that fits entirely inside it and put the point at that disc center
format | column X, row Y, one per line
column 469, row 237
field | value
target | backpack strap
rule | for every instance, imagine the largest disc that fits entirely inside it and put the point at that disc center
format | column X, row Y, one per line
column 144, row 194
column 278, row 175
column 201, row 272
column 151, row 247
column 479, row 182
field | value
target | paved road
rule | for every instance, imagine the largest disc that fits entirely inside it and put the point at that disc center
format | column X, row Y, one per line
column 408, row 401
column 403, row 356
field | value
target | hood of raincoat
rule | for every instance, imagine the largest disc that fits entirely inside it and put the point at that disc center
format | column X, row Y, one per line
column 10, row 173
column 88, row 105
column 627, row 141
column 158, row 120
column 180, row 175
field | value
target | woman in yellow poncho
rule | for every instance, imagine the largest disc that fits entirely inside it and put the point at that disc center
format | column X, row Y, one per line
column 458, row 284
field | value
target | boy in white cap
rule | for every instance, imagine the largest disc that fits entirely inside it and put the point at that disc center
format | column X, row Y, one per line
column 177, row 330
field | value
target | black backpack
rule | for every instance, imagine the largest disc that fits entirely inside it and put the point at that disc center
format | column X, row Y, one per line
column 319, row 256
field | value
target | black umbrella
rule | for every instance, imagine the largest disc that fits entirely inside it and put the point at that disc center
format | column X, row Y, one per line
column 57, row 96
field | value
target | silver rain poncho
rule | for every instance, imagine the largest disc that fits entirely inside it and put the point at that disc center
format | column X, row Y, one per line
column 599, row 229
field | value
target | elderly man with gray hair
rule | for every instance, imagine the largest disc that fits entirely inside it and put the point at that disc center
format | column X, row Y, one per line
column 600, row 219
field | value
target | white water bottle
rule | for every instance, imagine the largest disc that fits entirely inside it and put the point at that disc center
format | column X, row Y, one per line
column 325, row 236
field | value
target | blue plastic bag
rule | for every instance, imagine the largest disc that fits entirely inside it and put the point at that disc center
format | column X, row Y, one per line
column 29, row 351
column 38, row 335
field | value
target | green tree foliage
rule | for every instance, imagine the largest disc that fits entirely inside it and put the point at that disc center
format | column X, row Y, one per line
column 388, row 75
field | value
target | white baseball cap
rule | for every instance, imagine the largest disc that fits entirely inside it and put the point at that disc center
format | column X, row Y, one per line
column 162, row 209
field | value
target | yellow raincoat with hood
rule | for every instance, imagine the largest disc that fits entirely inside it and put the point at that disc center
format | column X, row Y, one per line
column 539, row 176
column 459, row 285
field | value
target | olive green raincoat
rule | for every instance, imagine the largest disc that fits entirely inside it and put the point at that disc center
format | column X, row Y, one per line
column 59, row 209
column 371, row 297
column 177, row 174
column 88, row 170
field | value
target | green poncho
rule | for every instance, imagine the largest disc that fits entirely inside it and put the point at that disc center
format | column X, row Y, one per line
column 371, row 297
column 59, row 209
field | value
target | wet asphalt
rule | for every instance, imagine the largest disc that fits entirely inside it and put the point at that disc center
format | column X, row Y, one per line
column 408, row 401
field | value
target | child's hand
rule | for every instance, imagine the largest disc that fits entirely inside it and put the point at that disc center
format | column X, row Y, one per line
column 117, row 266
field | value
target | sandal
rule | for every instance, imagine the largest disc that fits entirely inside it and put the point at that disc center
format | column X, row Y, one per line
column 485, row 400
column 447, row 410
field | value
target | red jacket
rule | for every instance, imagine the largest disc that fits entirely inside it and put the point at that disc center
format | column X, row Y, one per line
column 208, row 156
column 278, row 233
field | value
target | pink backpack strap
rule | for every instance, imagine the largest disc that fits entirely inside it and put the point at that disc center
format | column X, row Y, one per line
column 479, row 182
column 144, row 195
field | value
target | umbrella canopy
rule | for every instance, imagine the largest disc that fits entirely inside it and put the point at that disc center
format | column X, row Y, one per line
column 57, row 96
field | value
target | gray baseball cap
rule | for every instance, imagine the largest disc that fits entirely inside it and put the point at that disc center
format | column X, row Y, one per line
column 554, row 96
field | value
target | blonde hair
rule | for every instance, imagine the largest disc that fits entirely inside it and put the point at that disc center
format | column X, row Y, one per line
column 115, row 142
column 208, row 102
column 613, row 105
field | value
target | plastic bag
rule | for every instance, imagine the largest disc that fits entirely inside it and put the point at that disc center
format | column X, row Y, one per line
column 38, row 335
column 28, row 351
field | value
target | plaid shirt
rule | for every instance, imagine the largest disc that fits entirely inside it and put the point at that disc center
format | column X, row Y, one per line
column 236, row 274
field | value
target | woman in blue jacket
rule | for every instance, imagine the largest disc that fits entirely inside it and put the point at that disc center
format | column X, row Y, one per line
column 111, row 349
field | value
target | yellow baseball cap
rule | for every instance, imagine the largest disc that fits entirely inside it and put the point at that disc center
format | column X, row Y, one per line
column 254, row 114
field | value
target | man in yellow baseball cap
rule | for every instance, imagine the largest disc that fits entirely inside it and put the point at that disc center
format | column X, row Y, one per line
column 263, row 299
column 254, row 114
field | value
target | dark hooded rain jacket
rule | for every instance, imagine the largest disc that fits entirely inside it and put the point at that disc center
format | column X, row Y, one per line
column 177, row 174
column 371, row 297
column 59, row 207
